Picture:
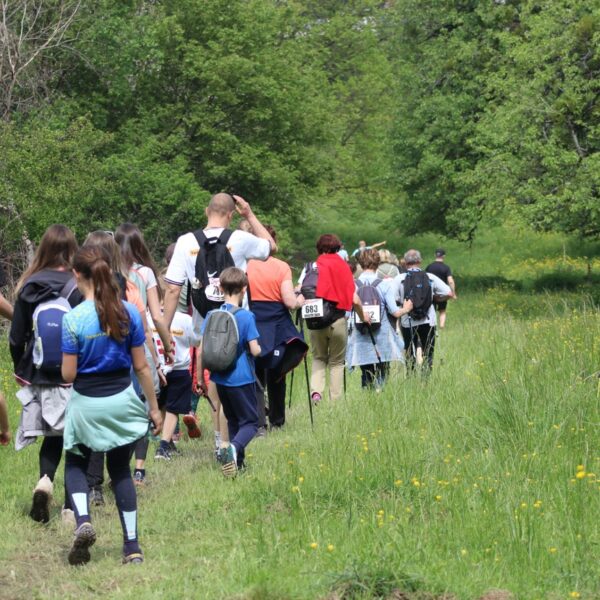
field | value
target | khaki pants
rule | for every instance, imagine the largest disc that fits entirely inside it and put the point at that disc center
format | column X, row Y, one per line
column 329, row 349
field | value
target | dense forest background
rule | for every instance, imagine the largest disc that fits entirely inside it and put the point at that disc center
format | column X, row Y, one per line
column 421, row 115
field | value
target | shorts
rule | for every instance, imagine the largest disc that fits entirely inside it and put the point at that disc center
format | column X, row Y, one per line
column 176, row 397
column 440, row 305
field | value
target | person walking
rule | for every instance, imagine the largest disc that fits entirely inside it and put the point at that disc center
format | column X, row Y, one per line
column 418, row 326
column 272, row 297
column 44, row 393
column 374, row 354
column 242, row 246
column 329, row 280
column 101, row 339
column 444, row 272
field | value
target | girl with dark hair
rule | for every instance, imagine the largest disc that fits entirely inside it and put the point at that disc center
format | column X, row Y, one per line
column 140, row 268
column 131, row 293
column 102, row 338
column 48, row 277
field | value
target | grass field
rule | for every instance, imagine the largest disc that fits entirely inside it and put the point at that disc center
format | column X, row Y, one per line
column 485, row 477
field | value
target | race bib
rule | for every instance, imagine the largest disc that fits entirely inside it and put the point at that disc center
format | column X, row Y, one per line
column 312, row 308
column 213, row 290
column 373, row 310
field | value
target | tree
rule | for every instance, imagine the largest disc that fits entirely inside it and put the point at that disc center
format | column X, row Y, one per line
column 539, row 139
column 31, row 31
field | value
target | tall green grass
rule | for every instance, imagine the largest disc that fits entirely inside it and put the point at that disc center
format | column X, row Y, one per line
column 482, row 476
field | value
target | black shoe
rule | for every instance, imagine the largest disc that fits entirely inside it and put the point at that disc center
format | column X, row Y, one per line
column 162, row 454
column 174, row 450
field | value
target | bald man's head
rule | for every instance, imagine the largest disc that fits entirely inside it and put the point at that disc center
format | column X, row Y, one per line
column 220, row 204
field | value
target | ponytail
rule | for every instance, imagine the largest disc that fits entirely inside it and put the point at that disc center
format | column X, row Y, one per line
column 93, row 264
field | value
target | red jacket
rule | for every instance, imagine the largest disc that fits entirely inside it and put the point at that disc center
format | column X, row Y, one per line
column 335, row 282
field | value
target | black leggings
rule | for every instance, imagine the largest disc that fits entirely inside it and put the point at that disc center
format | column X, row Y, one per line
column 117, row 463
column 373, row 375
column 276, row 392
column 50, row 455
column 419, row 336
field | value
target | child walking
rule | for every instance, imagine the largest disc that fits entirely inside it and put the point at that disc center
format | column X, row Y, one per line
column 236, row 385
column 177, row 395
column 101, row 338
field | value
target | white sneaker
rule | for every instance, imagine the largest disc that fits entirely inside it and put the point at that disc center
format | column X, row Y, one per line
column 42, row 496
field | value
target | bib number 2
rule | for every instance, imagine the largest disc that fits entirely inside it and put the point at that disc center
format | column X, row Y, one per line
column 373, row 310
column 312, row 309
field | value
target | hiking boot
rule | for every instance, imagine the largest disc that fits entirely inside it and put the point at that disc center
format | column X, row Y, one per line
column 42, row 495
column 162, row 454
column 96, row 497
column 229, row 468
column 85, row 536
column 193, row 427
column 261, row 432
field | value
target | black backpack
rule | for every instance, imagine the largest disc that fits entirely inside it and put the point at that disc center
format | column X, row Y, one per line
column 417, row 287
column 329, row 313
column 213, row 257
column 369, row 296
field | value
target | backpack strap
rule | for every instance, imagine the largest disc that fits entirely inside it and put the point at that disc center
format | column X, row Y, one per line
column 225, row 235
column 68, row 288
column 376, row 282
column 200, row 237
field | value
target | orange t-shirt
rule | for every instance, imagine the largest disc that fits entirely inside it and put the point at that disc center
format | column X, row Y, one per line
column 132, row 295
column 265, row 278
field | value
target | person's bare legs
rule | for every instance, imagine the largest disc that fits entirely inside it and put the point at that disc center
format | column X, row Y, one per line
column 218, row 418
column 442, row 319
column 169, row 425
column 4, row 425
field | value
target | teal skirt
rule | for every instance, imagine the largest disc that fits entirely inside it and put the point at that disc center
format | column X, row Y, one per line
column 102, row 424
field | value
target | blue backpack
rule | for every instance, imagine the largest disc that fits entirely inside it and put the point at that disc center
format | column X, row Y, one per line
column 47, row 329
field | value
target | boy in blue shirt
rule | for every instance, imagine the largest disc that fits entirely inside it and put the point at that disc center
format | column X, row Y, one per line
column 236, row 386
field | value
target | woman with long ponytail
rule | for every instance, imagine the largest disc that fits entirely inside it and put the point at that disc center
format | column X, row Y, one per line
column 102, row 338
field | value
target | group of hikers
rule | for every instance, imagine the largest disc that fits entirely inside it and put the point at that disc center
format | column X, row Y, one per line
column 110, row 352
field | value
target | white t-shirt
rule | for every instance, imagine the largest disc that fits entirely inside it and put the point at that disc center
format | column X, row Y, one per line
column 147, row 275
column 438, row 288
column 242, row 245
column 183, row 339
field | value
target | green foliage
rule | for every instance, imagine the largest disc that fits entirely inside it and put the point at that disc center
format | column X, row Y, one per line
column 498, row 114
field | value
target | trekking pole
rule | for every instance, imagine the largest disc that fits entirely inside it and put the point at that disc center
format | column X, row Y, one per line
column 291, row 390
column 310, row 408
column 374, row 344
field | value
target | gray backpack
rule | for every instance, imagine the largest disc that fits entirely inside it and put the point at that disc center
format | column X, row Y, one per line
column 220, row 340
